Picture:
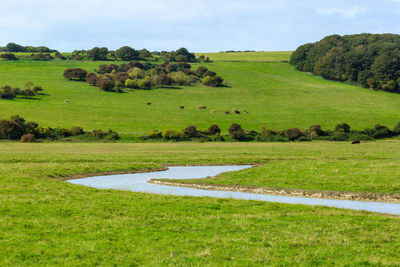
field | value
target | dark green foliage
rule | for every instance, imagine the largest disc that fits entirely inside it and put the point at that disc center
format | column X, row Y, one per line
column 180, row 55
column 8, row 92
column 8, row 56
column 10, row 130
column 191, row 131
column 213, row 129
column 97, row 53
column 201, row 70
column 294, row 134
column 126, row 53
column 76, row 131
column 369, row 60
column 105, row 83
column 28, row 93
column 59, row 56
column 106, row 68
column 236, row 132
column 163, row 79
column 41, row 57
column 91, row 78
column 342, row 127
column 77, row 74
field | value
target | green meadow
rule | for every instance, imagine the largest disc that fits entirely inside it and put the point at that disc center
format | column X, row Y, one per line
column 45, row 221
column 274, row 94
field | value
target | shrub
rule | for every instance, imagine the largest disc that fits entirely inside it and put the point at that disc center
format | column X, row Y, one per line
column 210, row 73
column 10, row 130
column 91, row 78
column 103, row 69
column 8, row 56
column 201, row 70
column 131, row 83
column 105, row 84
column 191, row 131
column 213, row 129
column 396, row 128
column 28, row 93
column 74, row 131
column 75, row 74
column 154, row 134
column 163, row 79
column 171, row 134
column 342, row 127
column 28, row 138
column 382, row 131
column 293, row 134
column 37, row 89
column 208, row 80
column 144, row 83
column 236, row 132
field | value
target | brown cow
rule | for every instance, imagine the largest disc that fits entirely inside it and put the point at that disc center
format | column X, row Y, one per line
column 227, row 112
column 356, row 142
column 148, row 103
column 202, row 107
column 181, row 107
column 236, row 111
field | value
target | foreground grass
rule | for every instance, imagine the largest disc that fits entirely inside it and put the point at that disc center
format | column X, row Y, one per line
column 274, row 94
column 44, row 221
column 266, row 56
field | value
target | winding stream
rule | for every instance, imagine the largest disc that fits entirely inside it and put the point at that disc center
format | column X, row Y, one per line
column 138, row 182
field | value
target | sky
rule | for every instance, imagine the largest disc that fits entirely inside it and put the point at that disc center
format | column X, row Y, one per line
column 199, row 25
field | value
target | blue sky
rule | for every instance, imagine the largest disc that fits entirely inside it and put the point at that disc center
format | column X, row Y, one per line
column 200, row 25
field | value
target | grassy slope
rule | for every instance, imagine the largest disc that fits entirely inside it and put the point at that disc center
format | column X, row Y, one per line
column 275, row 95
column 48, row 222
column 249, row 56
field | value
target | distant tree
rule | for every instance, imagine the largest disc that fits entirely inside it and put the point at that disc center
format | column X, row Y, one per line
column 97, row 54
column 13, row 47
column 127, row 53
column 213, row 129
column 191, row 131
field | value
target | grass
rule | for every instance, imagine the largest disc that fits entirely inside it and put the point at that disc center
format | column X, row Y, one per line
column 274, row 94
column 44, row 221
column 266, row 56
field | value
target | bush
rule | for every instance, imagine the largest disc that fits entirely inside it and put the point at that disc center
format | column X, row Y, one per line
column 236, row 132
column 382, row 131
column 342, row 127
column 8, row 56
column 28, row 138
column 162, row 79
column 74, row 131
column 191, row 131
column 171, row 134
column 396, row 128
column 213, row 130
column 10, row 130
column 201, row 70
column 91, row 78
column 294, row 134
column 75, row 74
column 126, row 53
column 154, row 134
column 131, row 83
column 105, row 84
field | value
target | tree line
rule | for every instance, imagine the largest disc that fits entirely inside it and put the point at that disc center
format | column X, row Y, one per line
column 138, row 75
column 368, row 60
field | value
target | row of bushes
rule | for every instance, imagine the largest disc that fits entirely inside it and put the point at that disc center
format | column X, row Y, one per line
column 9, row 92
column 18, row 129
column 342, row 132
column 136, row 75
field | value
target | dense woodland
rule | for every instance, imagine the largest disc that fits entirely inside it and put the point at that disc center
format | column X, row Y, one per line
column 369, row 60
column 137, row 75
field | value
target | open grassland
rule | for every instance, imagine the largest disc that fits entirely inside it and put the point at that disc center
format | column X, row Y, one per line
column 45, row 221
column 266, row 56
column 274, row 94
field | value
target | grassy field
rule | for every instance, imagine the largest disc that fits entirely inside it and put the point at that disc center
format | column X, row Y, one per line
column 267, row 56
column 274, row 94
column 44, row 221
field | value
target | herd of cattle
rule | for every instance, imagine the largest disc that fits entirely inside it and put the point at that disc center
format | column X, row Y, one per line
column 234, row 111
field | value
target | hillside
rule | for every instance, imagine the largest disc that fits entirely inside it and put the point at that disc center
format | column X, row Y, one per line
column 274, row 94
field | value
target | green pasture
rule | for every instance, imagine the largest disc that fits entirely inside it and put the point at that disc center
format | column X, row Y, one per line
column 47, row 222
column 274, row 94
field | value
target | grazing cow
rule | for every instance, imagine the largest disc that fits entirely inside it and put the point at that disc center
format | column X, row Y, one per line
column 148, row 103
column 66, row 101
column 355, row 142
column 227, row 112
column 202, row 107
column 236, row 111
column 181, row 107
column 213, row 111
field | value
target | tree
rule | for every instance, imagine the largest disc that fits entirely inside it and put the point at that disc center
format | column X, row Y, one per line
column 8, row 56
column 163, row 79
column 342, row 127
column 191, row 131
column 75, row 74
column 13, row 47
column 97, row 54
column 127, row 53
column 236, row 132
column 213, row 129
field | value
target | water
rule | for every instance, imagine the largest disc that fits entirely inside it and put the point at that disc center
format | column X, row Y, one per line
column 138, row 182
